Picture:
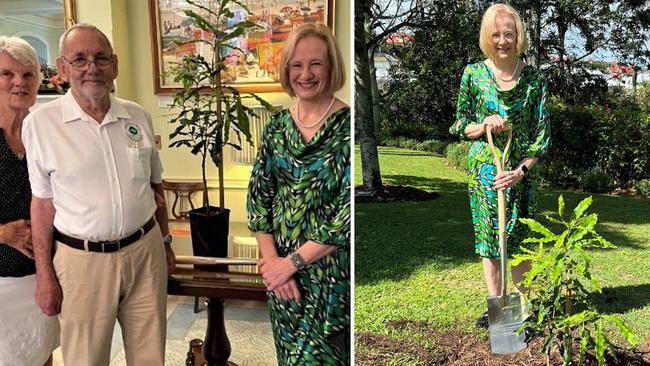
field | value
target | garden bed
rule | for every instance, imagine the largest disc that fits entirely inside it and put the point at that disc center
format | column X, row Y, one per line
column 463, row 349
column 390, row 193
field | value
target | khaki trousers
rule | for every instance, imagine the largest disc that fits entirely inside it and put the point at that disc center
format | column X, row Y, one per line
column 129, row 285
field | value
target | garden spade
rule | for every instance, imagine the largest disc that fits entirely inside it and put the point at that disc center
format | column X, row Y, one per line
column 504, row 310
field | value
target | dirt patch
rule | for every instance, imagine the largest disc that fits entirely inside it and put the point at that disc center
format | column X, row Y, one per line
column 462, row 349
column 391, row 193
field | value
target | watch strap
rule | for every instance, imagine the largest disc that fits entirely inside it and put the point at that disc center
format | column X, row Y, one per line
column 297, row 260
column 167, row 239
column 524, row 168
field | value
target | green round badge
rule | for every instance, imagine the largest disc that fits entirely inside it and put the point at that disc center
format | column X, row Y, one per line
column 133, row 132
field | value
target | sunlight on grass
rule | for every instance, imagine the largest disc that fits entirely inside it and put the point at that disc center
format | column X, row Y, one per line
column 416, row 262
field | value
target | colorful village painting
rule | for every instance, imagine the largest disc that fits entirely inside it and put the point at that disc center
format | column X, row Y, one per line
column 256, row 56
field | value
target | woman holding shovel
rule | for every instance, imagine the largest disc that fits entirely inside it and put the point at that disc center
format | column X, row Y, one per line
column 501, row 93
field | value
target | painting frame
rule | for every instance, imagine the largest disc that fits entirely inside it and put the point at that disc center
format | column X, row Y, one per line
column 162, row 56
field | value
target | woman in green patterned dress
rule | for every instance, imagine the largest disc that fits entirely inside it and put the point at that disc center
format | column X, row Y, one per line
column 498, row 93
column 299, row 205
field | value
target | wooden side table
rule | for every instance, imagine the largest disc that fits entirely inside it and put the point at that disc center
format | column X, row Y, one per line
column 183, row 192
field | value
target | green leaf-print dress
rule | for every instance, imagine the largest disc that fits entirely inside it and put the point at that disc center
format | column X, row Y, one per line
column 301, row 191
column 525, row 106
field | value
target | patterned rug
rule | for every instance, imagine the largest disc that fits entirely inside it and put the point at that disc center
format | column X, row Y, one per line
column 249, row 331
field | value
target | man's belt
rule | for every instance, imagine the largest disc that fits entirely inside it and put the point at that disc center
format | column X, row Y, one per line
column 104, row 246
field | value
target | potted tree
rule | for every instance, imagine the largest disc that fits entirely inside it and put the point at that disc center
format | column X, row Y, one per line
column 208, row 111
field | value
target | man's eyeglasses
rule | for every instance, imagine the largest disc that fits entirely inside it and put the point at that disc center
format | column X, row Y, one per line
column 82, row 64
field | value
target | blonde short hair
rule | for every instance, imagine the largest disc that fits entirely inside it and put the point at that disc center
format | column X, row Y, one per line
column 22, row 52
column 335, row 58
column 488, row 26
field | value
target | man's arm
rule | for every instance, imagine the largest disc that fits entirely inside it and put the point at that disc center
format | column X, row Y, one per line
column 163, row 221
column 48, row 290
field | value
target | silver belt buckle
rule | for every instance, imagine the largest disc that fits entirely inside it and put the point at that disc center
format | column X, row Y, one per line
column 104, row 243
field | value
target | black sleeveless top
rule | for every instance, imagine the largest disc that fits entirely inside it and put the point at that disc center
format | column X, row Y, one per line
column 15, row 198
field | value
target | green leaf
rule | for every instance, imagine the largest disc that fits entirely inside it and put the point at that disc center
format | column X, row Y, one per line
column 585, row 316
column 537, row 227
column 600, row 344
column 584, row 341
column 234, row 34
column 628, row 333
column 603, row 242
column 560, row 204
column 264, row 103
column 244, row 123
column 201, row 22
column 556, row 221
column 582, row 207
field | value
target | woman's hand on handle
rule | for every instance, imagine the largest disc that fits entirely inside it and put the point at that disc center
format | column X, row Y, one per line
column 495, row 123
column 508, row 179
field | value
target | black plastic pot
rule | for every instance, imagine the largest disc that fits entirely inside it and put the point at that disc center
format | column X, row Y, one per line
column 209, row 231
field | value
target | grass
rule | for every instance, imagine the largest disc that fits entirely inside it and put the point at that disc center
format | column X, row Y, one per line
column 416, row 261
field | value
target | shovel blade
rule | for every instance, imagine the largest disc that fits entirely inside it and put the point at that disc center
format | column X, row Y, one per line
column 505, row 316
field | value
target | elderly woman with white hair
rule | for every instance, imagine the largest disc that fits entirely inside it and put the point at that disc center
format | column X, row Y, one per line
column 28, row 335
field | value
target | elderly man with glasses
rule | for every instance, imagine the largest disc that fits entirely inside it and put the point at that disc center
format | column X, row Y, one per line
column 99, row 220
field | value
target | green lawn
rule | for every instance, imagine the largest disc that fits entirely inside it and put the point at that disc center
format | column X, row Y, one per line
column 416, row 262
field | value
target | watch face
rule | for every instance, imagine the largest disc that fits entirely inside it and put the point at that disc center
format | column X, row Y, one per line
column 297, row 261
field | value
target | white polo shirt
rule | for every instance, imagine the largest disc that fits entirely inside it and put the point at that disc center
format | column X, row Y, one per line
column 98, row 175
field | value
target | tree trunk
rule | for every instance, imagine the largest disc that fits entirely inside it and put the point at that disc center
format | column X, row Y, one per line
column 561, row 30
column 363, row 101
column 534, row 33
column 222, row 189
column 376, row 111
column 634, row 77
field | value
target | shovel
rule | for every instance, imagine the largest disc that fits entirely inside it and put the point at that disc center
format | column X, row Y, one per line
column 504, row 311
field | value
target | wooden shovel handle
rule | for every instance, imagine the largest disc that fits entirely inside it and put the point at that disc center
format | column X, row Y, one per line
column 500, row 164
column 501, row 201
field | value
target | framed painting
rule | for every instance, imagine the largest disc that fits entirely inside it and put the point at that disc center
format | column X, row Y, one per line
column 253, row 62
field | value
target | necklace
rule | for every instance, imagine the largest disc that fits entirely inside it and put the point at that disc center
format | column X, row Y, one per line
column 318, row 121
column 512, row 75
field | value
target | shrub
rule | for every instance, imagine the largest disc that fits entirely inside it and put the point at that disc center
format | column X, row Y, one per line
column 389, row 143
column 573, row 143
column 407, row 143
column 595, row 181
column 457, row 155
column 643, row 96
column 643, row 187
column 400, row 142
column 434, row 146
column 624, row 144
column 560, row 283
column 583, row 137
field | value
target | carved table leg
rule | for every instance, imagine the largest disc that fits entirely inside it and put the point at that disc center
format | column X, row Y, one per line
column 216, row 347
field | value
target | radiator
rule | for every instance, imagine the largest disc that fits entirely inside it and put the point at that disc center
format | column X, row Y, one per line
column 248, row 152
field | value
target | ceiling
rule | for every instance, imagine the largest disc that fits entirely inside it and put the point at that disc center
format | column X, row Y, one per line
column 51, row 9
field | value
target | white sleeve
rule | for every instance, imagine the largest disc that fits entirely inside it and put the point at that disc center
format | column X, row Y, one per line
column 156, row 164
column 39, row 177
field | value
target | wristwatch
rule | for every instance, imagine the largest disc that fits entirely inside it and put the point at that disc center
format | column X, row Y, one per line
column 524, row 168
column 167, row 240
column 297, row 261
